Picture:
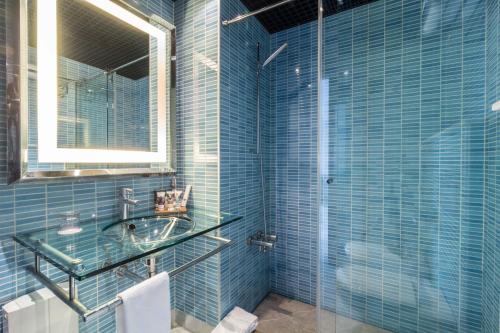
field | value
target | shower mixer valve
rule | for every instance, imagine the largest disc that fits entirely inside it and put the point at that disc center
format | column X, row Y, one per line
column 263, row 241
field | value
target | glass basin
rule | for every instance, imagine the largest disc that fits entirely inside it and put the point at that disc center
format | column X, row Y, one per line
column 147, row 232
column 95, row 250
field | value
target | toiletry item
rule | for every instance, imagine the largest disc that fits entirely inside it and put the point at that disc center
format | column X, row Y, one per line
column 161, row 204
column 160, row 199
column 177, row 198
column 170, row 200
column 70, row 223
column 145, row 307
column 186, row 196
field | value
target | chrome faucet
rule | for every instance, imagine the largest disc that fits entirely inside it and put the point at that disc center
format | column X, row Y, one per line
column 126, row 201
column 264, row 241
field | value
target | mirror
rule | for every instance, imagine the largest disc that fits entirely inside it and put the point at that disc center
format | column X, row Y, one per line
column 94, row 89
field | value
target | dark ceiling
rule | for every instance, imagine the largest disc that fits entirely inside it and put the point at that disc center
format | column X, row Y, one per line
column 297, row 12
column 89, row 36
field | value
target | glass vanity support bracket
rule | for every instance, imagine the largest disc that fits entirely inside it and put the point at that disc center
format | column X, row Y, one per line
column 70, row 297
column 72, row 293
column 62, row 294
column 151, row 263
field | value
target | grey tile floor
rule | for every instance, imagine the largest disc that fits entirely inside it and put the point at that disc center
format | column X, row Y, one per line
column 278, row 314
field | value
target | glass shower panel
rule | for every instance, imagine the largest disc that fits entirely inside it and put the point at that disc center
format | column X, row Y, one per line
column 325, row 296
column 401, row 166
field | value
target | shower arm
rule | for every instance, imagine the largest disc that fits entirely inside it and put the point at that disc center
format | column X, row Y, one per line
column 260, row 67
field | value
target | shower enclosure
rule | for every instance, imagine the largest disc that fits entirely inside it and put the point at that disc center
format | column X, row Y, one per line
column 384, row 144
column 407, row 162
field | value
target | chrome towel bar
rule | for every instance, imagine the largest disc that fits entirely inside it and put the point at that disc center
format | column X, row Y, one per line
column 70, row 297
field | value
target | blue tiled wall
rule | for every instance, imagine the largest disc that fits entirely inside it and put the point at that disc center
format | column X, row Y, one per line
column 406, row 120
column 491, row 274
column 405, row 111
column 197, row 21
column 294, row 203
column 34, row 205
column 244, row 270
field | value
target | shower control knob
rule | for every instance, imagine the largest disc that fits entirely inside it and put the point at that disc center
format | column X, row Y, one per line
column 329, row 180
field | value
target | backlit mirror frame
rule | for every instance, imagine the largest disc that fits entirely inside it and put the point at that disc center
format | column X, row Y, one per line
column 162, row 161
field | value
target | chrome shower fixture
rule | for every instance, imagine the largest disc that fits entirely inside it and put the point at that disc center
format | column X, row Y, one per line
column 260, row 67
column 263, row 241
column 274, row 55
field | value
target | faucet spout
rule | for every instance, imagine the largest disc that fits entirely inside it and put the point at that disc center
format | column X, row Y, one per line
column 125, row 202
column 130, row 201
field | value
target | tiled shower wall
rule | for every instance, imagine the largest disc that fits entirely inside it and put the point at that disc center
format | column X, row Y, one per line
column 491, row 274
column 244, row 270
column 295, row 192
column 406, row 114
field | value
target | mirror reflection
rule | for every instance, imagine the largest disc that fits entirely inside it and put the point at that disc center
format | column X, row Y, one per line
column 103, row 79
column 110, row 72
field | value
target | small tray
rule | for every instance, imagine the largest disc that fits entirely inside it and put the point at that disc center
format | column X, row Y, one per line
column 171, row 211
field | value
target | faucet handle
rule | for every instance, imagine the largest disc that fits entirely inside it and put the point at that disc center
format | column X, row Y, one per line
column 126, row 191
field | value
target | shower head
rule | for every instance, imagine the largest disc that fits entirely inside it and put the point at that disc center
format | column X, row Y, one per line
column 274, row 55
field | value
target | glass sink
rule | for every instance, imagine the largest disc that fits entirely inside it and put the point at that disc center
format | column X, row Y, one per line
column 105, row 243
column 146, row 232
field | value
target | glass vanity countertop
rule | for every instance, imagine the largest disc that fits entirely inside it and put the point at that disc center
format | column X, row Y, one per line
column 106, row 244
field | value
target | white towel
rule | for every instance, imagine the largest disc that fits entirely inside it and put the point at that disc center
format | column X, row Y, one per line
column 146, row 307
column 237, row 321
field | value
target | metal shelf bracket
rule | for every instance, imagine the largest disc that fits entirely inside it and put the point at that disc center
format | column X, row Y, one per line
column 70, row 297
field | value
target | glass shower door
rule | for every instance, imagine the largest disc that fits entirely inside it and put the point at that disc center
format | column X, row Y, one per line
column 401, row 165
column 326, row 288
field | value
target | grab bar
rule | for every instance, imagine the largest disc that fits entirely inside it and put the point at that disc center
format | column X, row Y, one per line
column 70, row 297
